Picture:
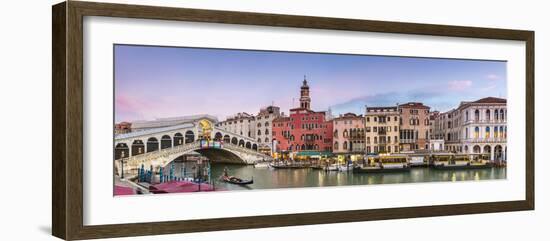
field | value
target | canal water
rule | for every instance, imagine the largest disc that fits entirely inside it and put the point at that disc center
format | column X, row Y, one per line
column 267, row 178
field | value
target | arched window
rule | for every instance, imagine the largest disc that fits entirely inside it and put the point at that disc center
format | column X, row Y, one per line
column 121, row 151
column 266, row 124
column 487, row 132
column 476, row 115
column 259, row 124
column 266, row 131
column 336, row 133
column 345, row 133
column 345, row 145
column 487, row 115
column 138, row 147
column 501, row 133
column 476, row 132
column 189, row 137
column 496, row 115
column 466, row 133
column 477, row 149
column 335, row 146
column 152, row 144
column 178, row 139
column 266, row 140
column 259, row 132
column 495, row 132
column 502, row 117
column 467, row 115
column 303, row 147
column 165, row 142
column 259, row 140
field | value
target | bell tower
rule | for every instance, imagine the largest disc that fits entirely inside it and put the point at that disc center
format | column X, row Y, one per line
column 305, row 100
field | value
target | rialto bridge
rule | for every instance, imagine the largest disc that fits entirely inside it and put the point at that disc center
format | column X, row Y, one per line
column 160, row 146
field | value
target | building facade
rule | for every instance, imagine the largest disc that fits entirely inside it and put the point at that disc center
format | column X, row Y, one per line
column 304, row 129
column 262, row 127
column 257, row 127
column 349, row 136
column 414, row 126
column 475, row 127
column 241, row 123
column 382, row 129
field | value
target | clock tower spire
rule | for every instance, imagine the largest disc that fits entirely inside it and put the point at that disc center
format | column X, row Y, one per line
column 305, row 100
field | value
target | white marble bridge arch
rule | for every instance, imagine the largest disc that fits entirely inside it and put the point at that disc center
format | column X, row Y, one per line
column 160, row 146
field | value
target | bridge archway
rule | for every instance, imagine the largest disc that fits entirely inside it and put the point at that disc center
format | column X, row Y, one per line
column 226, row 139
column 165, row 142
column 121, row 150
column 152, row 144
column 234, row 141
column 218, row 136
column 178, row 139
column 241, row 143
column 248, row 145
column 189, row 137
column 218, row 155
column 254, row 147
column 138, row 147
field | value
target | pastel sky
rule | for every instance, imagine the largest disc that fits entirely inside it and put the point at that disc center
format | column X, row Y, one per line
column 156, row 82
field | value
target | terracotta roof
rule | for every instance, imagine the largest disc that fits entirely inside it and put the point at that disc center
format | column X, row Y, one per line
column 491, row 100
column 415, row 105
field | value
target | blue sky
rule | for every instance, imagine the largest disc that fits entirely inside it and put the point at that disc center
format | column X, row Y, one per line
column 154, row 82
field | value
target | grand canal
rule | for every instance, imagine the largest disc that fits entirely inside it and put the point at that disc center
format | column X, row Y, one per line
column 267, row 178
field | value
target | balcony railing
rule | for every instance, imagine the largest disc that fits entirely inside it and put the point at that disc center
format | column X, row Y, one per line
column 407, row 140
column 486, row 140
column 499, row 121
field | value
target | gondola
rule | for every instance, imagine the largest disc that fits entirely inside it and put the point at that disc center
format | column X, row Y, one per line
column 236, row 180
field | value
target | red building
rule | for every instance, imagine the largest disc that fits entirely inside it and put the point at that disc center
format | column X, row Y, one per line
column 304, row 129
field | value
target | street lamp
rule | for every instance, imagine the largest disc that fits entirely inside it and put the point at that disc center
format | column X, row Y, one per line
column 122, row 165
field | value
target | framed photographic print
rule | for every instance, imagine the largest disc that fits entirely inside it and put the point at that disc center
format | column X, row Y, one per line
column 171, row 120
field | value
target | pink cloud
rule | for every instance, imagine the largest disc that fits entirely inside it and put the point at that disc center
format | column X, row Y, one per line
column 458, row 85
column 492, row 77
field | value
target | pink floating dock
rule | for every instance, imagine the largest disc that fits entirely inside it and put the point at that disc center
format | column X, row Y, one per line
column 179, row 187
column 121, row 190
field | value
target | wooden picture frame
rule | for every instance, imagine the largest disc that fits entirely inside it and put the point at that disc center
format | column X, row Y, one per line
column 67, row 123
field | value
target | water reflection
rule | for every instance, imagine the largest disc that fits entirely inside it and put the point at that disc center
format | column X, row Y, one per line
column 265, row 178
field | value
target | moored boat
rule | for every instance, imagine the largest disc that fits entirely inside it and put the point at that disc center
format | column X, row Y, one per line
column 385, row 164
column 261, row 165
column 460, row 161
column 332, row 167
column 345, row 168
column 378, row 169
column 288, row 166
